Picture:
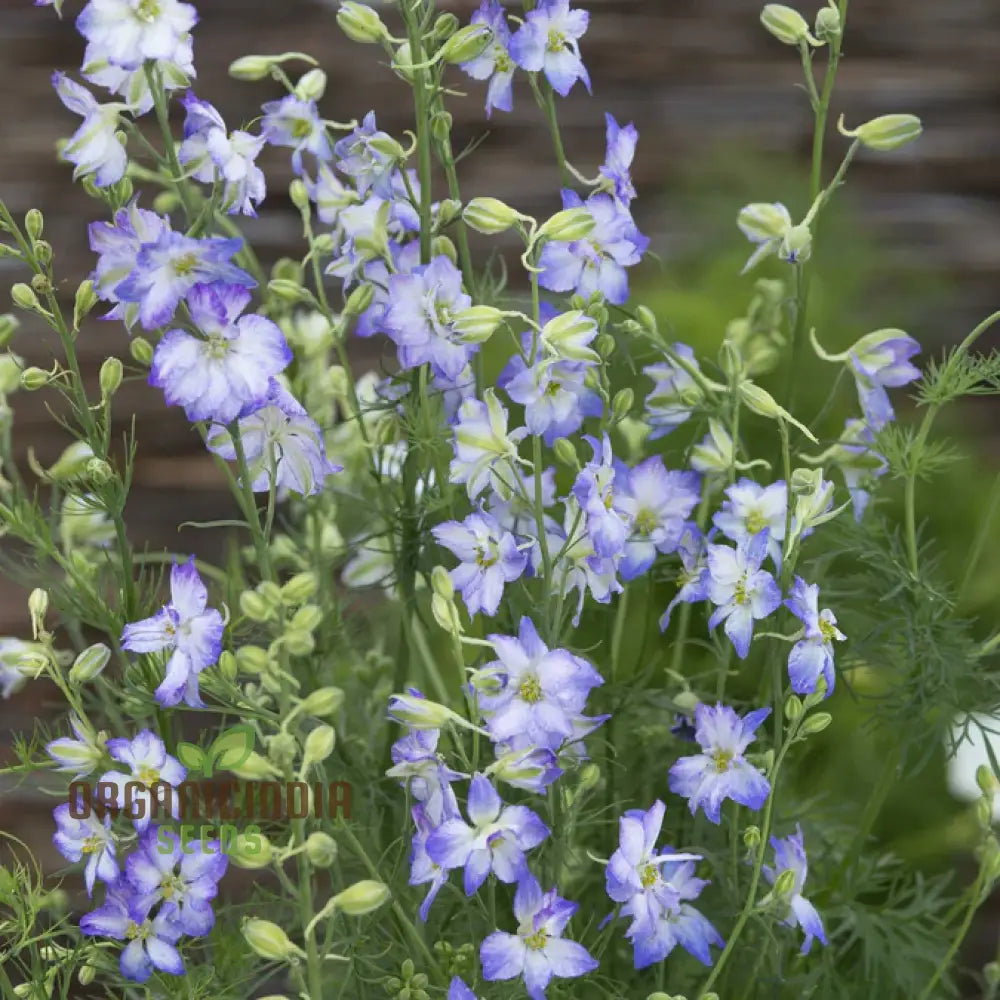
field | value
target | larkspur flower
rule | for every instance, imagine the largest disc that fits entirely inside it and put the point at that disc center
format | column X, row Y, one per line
column 674, row 394
column 12, row 677
column 548, row 42
column 598, row 262
column 423, row 868
column 212, row 155
column 790, row 855
column 514, row 509
column 494, row 63
column 359, row 158
column 530, row 768
column 190, row 630
column 721, row 771
column 153, row 772
column 278, row 433
column 553, row 392
column 167, row 269
column 740, row 589
column 77, row 757
column 117, row 246
column 606, row 523
column 617, row 166
column 184, row 881
column 217, row 376
column 420, row 316
column 749, row 509
column 457, row 990
column 658, row 502
column 330, row 194
column 662, row 930
column 765, row 225
column 422, row 769
column 129, row 33
column 90, row 838
column 538, row 951
column 542, row 690
column 151, row 940
column 489, row 559
column 296, row 124
column 94, row 149
column 812, row 656
column 485, row 451
column 132, row 85
column 495, row 841
column 878, row 361
column 859, row 463
column 693, row 576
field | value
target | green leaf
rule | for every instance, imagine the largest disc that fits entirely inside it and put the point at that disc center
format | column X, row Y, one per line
column 233, row 747
column 191, row 756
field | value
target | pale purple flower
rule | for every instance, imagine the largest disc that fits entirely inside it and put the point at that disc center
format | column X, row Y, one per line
column 494, row 63
column 166, row 271
column 740, row 589
column 597, row 263
column 79, row 756
column 542, row 690
column 878, row 361
column 693, row 576
column 217, row 376
column 750, row 509
column 184, row 881
column 790, row 855
column 489, row 559
column 89, row 838
column 94, row 149
column 361, row 160
column 130, row 32
column 280, row 441
column 859, row 463
column 485, row 451
column 190, row 630
column 548, row 42
column 530, row 768
column 662, row 929
column 330, row 194
column 132, row 85
column 721, row 771
column 812, row 656
column 606, row 524
column 617, row 165
column 514, row 508
column 537, row 952
column 296, row 124
column 423, row 868
column 154, row 773
column 422, row 769
column 669, row 404
column 658, row 502
column 151, row 941
column 457, row 990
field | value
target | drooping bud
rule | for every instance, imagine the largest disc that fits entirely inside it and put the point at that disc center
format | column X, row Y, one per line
column 567, row 226
column 269, row 941
column 786, row 24
column 361, row 898
column 112, row 372
column 489, row 216
column 89, row 663
column 323, row 702
column 360, row 23
column 888, row 132
column 38, row 606
column 466, row 44
column 311, row 85
column 477, row 324
column 761, row 402
column 359, row 300
column 83, row 302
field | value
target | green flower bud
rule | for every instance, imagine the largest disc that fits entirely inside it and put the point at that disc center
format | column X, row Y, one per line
column 467, row 43
column 86, row 975
column 816, row 723
column 23, row 296
column 287, row 291
column 307, row 618
column 255, row 768
column 567, row 226
column 442, row 246
column 828, row 26
column 166, row 202
column 299, row 194
column 323, row 702
column 141, row 350
column 252, row 659
column 387, row 146
column 991, row 973
column 33, row 378
column 793, row 707
column 445, row 25
column 98, row 472
column 254, row 606
column 761, row 402
column 419, row 713
column 299, row 588
column 42, row 284
column 786, row 24
column 38, row 606
column 321, row 849
column 622, row 403
column 43, row 252
column 251, row 851
column 250, row 68
column 89, row 663
column 360, row 23
column 112, row 372
column 287, row 269
column 441, row 125
column 269, row 940
column 228, row 665
column 477, row 324
column 751, row 837
column 83, row 302
column 319, row 745
column 605, row 345
column 986, row 781
column 489, row 216
column 8, row 326
column 361, row 898
column 446, row 614
column 282, row 749
column 441, row 583
column 359, row 300
column 34, row 223
column 565, row 452
column 10, row 373
column 298, row 642
column 311, row 85
column 888, row 132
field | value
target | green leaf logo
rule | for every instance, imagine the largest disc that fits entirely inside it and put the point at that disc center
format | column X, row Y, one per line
column 191, row 756
column 231, row 748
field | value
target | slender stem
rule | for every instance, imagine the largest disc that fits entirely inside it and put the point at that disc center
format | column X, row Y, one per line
column 170, row 147
column 545, row 97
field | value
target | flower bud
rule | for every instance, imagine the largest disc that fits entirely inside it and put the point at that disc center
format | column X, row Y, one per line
column 141, row 350
column 793, row 707
column 307, row 618
column 489, row 216
column 43, row 252
column 986, row 781
column 991, row 973
column 112, row 372
column 442, row 246
column 251, row 851
column 319, row 745
column 477, row 324
column 359, row 300
column 441, row 583
column 34, row 223
column 86, row 975
column 10, row 373
column 269, row 940
column 888, row 132
column 23, row 296
column 441, row 125
column 166, row 202
column 360, row 23
column 323, row 702
column 565, row 452
column 385, row 145
column 622, row 402
column 445, row 25
column 83, row 302
column 311, row 85
column 761, row 402
column 567, row 226
column 299, row 588
column 228, row 666
column 751, row 837
column 250, row 68
column 298, row 642
column 33, row 378
column 784, row 884
column 287, row 291
column 252, row 659
column 299, row 194
column 255, row 768
column 786, row 24
column 605, row 345
column 466, row 44
column 417, row 712
column 42, row 284
column 446, row 614
column 254, row 606
column 38, row 606
column 321, row 849
column 828, row 26
column 361, row 898
column 760, row 221
column 89, row 663
column 8, row 326
column 816, row 723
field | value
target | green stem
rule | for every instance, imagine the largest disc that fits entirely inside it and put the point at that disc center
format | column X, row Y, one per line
column 170, row 147
column 545, row 97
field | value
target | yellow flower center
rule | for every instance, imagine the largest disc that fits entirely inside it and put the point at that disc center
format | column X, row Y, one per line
column 648, row 876
column 756, row 522
column 536, row 941
column 148, row 10
column 301, row 128
column 485, row 559
column 91, row 845
column 218, row 348
column 740, row 595
column 645, row 521
column 171, row 886
column 148, row 775
column 530, row 690
column 721, row 760
column 828, row 630
column 185, row 264
column 556, row 41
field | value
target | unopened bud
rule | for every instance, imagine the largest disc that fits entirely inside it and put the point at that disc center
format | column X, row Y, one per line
column 991, row 973
column 43, row 252
column 417, row 712
column 165, row 202
column 751, row 837
column 986, row 780
column 441, row 583
column 252, row 659
column 228, row 665
column 299, row 588
column 360, row 23
column 489, row 216
column 828, row 25
column 887, row 132
column 286, row 290
column 477, row 324
column 86, row 975
column 112, row 372
column 255, row 768
column 84, row 302
column 442, row 246
column 786, row 24
column 141, row 350
column 298, row 642
column 34, row 223
column 299, row 194
column 984, row 813
column 622, row 403
column 466, row 44
column 42, row 284
column 361, row 898
column 359, row 300
column 33, row 378
column 311, row 85
column 23, row 296
column 319, row 745
column 323, row 702
column 254, row 606
column 321, row 849
column 251, row 67
column 270, row 941
column 445, row 25
column 793, row 707
column 605, row 345
column 89, row 663
column 816, row 723
column 565, row 452
column 8, row 326
column 446, row 614
column 441, row 125
column 647, row 318
column 38, row 606
column 250, row 851
column 567, row 226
